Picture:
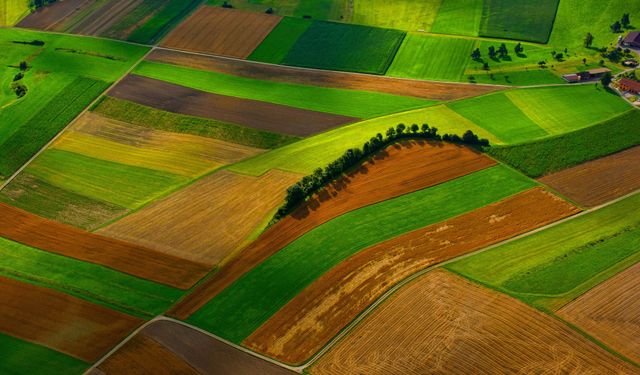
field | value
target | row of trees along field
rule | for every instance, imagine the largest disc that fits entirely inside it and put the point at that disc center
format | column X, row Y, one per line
column 309, row 185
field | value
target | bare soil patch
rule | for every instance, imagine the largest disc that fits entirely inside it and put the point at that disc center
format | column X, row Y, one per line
column 48, row 17
column 322, row 310
column 610, row 312
column 64, row 323
column 442, row 323
column 104, row 17
column 599, row 181
column 221, row 31
column 324, row 78
column 208, row 220
column 31, row 230
column 252, row 113
column 399, row 170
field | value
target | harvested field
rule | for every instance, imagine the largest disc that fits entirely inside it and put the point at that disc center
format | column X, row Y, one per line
column 208, row 220
column 323, row 309
column 222, row 31
column 194, row 349
column 103, row 18
column 400, row 170
column 444, row 324
column 61, row 322
column 49, row 17
column 610, row 312
column 323, row 78
column 255, row 114
column 28, row 229
column 599, row 181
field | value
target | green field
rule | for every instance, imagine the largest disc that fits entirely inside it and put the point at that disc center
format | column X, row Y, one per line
column 21, row 357
column 432, row 57
column 555, row 266
column 64, row 76
column 11, row 11
column 280, row 40
column 337, row 46
column 460, row 17
column 407, row 15
column 172, row 12
column 141, row 115
column 241, row 308
column 519, row 19
column 360, row 104
column 85, row 280
column 556, row 153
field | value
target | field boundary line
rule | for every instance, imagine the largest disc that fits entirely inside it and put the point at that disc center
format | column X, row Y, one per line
column 365, row 313
column 85, row 110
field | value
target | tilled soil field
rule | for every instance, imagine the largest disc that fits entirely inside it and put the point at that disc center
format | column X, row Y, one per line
column 28, row 229
column 252, row 113
column 61, row 322
column 324, row 78
column 104, row 17
column 312, row 318
column 49, row 17
column 442, row 323
column 222, row 31
column 601, row 180
column 610, row 312
column 399, row 170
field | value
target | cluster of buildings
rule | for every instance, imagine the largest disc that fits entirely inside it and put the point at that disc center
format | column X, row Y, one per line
column 589, row 75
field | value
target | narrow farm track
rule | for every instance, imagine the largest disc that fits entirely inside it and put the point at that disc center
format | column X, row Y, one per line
column 399, row 170
column 324, row 78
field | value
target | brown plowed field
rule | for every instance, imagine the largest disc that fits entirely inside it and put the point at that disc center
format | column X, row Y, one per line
column 222, row 31
column 208, row 220
column 599, row 181
column 106, row 16
column 31, row 230
column 442, row 323
column 193, row 349
column 610, row 312
column 399, row 170
column 59, row 321
column 324, row 78
column 143, row 355
column 252, row 113
column 48, row 17
column 323, row 309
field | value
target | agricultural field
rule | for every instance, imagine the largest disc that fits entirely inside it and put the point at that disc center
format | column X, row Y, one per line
column 520, row 19
column 442, row 323
column 11, row 11
column 22, row 357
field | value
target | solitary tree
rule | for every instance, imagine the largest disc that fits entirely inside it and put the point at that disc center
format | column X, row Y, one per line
column 584, row 61
column 492, row 51
column 519, row 49
column 625, row 21
column 485, row 66
column 503, row 51
column 476, row 55
column 588, row 40
column 606, row 79
column 616, row 27
column 23, row 65
column 542, row 63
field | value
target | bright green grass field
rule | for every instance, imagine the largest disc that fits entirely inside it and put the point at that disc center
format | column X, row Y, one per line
column 432, row 57
column 164, row 20
column 21, row 357
column 460, row 17
column 361, row 104
column 119, row 184
column 519, row 19
column 538, row 158
column 317, row 151
column 85, row 280
column 276, row 45
column 337, row 46
column 555, row 266
column 241, row 308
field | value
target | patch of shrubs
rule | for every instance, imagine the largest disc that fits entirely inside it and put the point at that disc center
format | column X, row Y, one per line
column 34, row 42
column 309, row 185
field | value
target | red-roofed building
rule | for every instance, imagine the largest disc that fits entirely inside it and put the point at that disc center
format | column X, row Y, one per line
column 626, row 84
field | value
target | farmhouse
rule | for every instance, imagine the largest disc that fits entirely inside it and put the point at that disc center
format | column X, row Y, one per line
column 629, row 85
column 632, row 39
column 592, row 74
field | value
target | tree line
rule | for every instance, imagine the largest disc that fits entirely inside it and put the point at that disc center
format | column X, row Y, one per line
column 321, row 177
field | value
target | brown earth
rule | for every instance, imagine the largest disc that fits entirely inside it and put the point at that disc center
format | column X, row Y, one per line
column 48, row 17
column 31, row 230
column 208, row 220
column 104, row 17
column 442, row 323
column 252, row 113
column 221, row 31
column 324, row 78
column 59, row 321
column 599, row 181
column 399, row 170
column 143, row 355
column 303, row 326
column 609, row 312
